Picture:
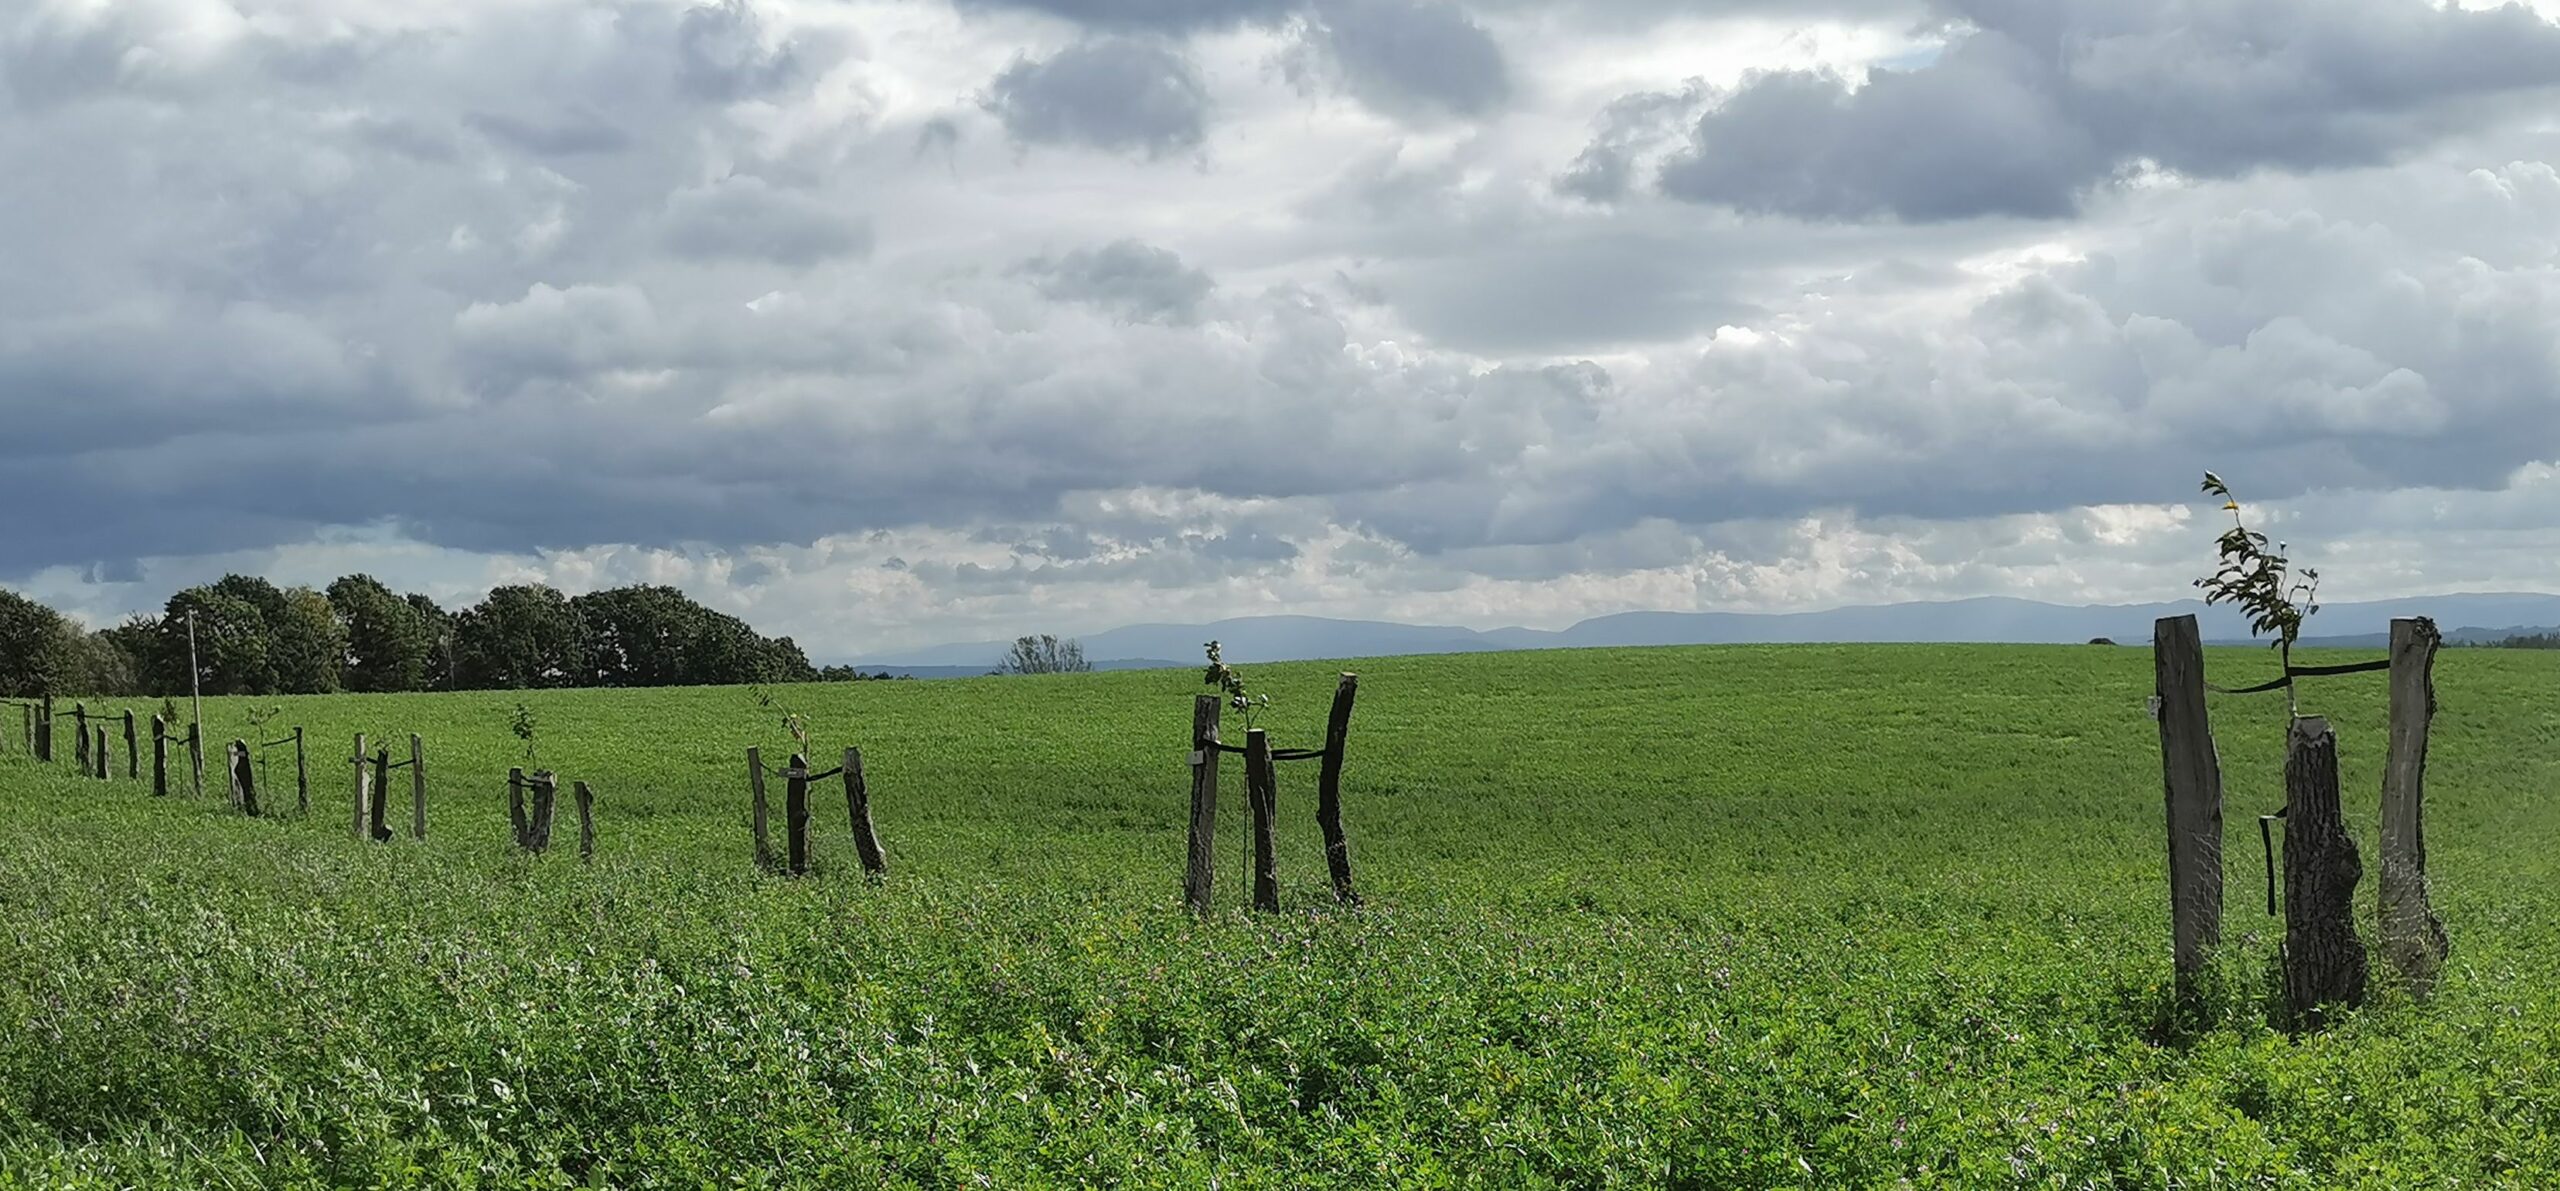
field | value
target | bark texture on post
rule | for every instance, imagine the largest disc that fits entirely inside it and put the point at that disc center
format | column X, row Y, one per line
column 44, row 731
column 2324, row 961
column 795, row 813
column 301, row 776
column 159, row 757
column 1337, row 846
column 586, row 822
column 857, row 807
column 417, row 787
column 80, row 738
column 763, row 813
column 364, row 790
column 195, row 757
column 1199, row 876
column 2191, row 775
column 1262, row 792
column 244, row 779
column 381, row 805
column 546, row 797
column 515, row 808
column 132, row 749
column 98, row 753
column 2413, row 938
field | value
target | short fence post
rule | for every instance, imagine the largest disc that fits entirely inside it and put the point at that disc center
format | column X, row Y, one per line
column 159, row 757
column 98, row 753
column 417, row 787
column 795, row 813
column 1199, row 876
column 80, row 737
column 515, row 808
column 44, row 731
column 301, row 776
column 132, row 749
column 195, row 756
column 381, row 802
column 363, row 792
column 763, row 828
column 586, row 823
column 2413, row 938
column 546, row 791
column 1262, row 793
column 244, row 782
column 2191, row 773
column 1337, row 846
column 857, row 807
column 2324, row 961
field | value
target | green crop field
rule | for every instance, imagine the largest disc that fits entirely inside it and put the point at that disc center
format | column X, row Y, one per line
column 1723, row 917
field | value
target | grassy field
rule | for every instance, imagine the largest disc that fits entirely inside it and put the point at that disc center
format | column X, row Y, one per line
column 1805, row 916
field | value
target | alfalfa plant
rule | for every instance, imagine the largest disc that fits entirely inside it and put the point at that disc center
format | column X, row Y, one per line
column 2261, row 581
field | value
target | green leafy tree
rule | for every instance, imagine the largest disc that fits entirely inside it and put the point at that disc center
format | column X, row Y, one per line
column 98, row 663
column 387, row 641
column 231, row 646
column 520, row 638
column 2260, row 580
column 443, row 657
column 1044, row 654
column 307, row 645
column 32, row 662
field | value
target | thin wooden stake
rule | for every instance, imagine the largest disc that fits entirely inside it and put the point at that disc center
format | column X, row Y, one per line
column 364, row 792
column 2413, row 938
column 2324, row 961
column 1199, row 876
column 301, row 776
column 2191, row 774
column 763, row 829
column 417, row 787
column 159, row 757
column 1262, row 793
column 857, row 807
column 244, row 779
column 132, row 749
column 586, row 823
column 44, row 731
column 795, row 813
column 1337, row 846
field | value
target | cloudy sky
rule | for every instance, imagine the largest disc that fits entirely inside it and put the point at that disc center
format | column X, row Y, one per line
column 889, row 323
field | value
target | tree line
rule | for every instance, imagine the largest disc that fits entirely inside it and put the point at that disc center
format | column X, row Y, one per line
column 254, row 638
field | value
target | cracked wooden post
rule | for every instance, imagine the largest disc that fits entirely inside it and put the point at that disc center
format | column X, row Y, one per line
column 857, row 807
column 763, row 815
column 1199, row 877
column 379, row 809
column 244, row 780
column 364, row 793
column 80, row 738
column 159, row 757
column 417, row 787
column 2413, row 938
column 515, row 808
column 44, row 731
column 795, row 813
column 546, row 796
column 195, row 757
column 1262, row 793
column 98, row 754
column 1337, row 846
column 2324, row 961
column 586, row 822
column 2191, row 774
column 301, row 776
column 132, row 749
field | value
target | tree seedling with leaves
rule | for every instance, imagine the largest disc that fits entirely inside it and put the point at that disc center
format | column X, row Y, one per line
column 521, row 722
column 1230, row 681
column 794, row 722
column 2261, row 582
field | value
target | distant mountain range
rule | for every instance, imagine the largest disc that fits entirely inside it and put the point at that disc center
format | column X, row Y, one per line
column 2465, row 617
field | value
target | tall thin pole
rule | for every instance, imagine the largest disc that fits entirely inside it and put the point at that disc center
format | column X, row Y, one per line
column 195, row 681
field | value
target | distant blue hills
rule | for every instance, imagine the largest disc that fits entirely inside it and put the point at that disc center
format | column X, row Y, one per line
column 2464, row 617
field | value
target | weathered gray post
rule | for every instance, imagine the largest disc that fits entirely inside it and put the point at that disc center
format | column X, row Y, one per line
column 2191, row 773
column 586, row 822
column 515, row 808
column 857, row 807
column 763, row 828
column 1262, row 794
column 2413, row 938
column 44, row 731
column 1199, row 877
column 546, row 794
column 417, row 787
column 1337, row 846
column 244, row 782
column 380, row 828
column 80, row 738
column 2324, row 961
column 132, row 749
column 159, row 757
column 364, row 791
column 795, row 813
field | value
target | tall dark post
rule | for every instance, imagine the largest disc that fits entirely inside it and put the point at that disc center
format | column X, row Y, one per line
column 301, row 776
column 244, row 780
column 98, row 754
column 1199, row 877
column 159, row 757
column 132, row 749
column 1262, row 793
column 380, row 828
column 586, row 822
column 80, row 738
column 2413, row 938
column 546, row 795
column 2191, row 773
column 44, row 731
column 2324, row 961
column 515, row 808
column 1337, row 846
column 763, row 815
column 857, row 807
column 795, row 813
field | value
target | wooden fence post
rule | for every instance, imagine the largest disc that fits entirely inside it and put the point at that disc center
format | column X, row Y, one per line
column 1262, row 792
column 244, row 781
column 159, row 757
column 2191, row 774
column 546, row 793
column 80, row 738
column 380, row 829
column 98, row 753
column 2413, row 938
column 586, row 823
column 301, row 776
column 515, row 808
column 857, row 807
column 417, row 787
column 2324, row 961
column 195, row 756
column 1337, row 846
column 795, row 813
column 364, row 793
column 1199, row 876
column 132, row 749
column 44, row 731
column 763, row 828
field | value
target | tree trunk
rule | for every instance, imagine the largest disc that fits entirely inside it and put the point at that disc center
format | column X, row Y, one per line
column 2324, row 961
column 2413, row 938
